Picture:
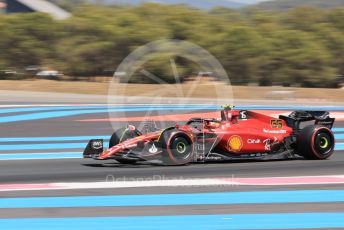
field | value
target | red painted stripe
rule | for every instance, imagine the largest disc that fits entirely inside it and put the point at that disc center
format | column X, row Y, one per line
column 185, row 117
column 170, row 117
column 173, row 117
column 26, row 186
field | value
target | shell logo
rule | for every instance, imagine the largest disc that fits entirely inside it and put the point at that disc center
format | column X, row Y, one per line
column 235, row 143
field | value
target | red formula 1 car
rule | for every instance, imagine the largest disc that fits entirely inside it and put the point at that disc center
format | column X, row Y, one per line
column 238, row 135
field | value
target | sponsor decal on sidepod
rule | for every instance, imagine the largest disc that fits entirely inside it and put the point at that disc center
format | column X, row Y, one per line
column 281, row 131
column 235, row 143
column 253, row 141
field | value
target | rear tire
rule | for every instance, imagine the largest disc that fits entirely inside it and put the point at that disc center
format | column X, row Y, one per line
column 315, row 142
column 121, row 135
column 177, row 147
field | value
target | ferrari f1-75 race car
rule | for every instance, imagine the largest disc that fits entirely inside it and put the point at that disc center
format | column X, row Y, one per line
column 237, row 135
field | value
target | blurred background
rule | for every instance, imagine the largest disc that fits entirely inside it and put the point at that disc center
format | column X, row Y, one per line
column 288, row 43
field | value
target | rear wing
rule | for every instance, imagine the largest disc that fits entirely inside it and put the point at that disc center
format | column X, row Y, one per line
column 297, row 117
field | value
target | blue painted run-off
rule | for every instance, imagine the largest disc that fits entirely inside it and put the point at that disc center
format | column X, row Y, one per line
column 45, row 146
column 176, row 199
column 339, row 136
column 41, row 139
column 48, row 108
column 149, row 106
column 55, row 114
column 337, row 130
column 39, row 156
column 199, row 222
column 59, row 111
column 50, row 146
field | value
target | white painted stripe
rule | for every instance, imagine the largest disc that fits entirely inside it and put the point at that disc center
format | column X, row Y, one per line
column 113, row 182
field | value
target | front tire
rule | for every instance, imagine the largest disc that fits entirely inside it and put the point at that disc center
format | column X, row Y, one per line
column 177, row 147
column 315, row 142
column 121, row 135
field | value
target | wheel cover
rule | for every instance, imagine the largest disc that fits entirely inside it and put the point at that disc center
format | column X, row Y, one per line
column 323, row 143
column 181, row 148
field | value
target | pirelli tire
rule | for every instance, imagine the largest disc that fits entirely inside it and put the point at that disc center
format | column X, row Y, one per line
column 177, row 147
column 315, row 142
column 121, row 135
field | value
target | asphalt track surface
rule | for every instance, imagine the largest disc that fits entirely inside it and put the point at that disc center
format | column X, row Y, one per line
column 43, row 171
column 71, row 170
